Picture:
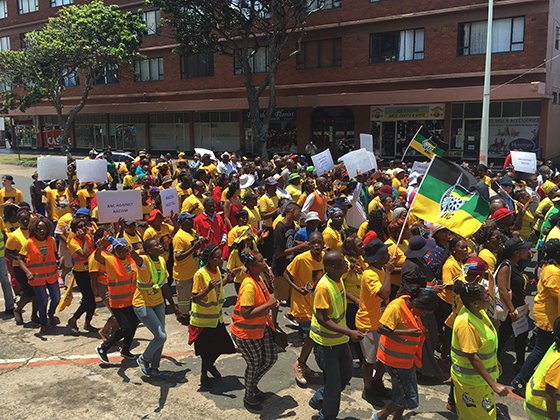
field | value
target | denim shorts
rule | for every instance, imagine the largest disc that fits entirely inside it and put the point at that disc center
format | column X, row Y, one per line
column 405, row 387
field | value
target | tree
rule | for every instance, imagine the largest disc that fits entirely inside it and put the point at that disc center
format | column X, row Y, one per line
column 240, row 28
column 80, row 43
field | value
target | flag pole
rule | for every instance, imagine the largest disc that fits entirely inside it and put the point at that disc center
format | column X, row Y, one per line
column 484, row 128
column 408, row 147
column 410, row 209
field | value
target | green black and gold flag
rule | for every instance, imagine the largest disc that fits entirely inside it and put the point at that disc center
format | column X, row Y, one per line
column 424, row 143
column 447, row 196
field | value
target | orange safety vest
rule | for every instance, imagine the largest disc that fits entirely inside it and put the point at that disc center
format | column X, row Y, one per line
column 120, row 285
column 89, row 240
column 406, row 351
column 43, row 268
column 319, row 205
column 251, row 329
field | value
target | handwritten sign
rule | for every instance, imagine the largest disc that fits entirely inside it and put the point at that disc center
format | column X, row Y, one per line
column 169, row 201
column 419, row 168
column 114, row 205
column 366, row 142
column 524, row 162
column 323, row 162
column 92, row 170
column 203, row 152
column 52, row 167
column 358, row 161
column 522, row 324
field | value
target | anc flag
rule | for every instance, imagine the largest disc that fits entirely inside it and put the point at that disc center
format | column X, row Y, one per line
column 448, row 196
column 423, row 143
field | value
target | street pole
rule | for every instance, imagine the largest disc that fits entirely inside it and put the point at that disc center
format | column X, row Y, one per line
column 486, row 95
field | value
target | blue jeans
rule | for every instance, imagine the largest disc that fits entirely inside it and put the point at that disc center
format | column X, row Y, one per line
column 6, row 285
column 43, row 300
column 336, row 364
column 153, row 317
column 405, row 387
column 542, row 344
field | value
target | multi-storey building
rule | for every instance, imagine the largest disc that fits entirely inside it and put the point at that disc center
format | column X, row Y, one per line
column 383, row 67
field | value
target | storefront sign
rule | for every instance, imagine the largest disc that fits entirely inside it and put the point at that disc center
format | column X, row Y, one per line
column 280, row 114
column 405, row 112
column 507, row 134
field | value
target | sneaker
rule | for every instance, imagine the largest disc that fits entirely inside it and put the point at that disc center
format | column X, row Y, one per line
column 290, row 318
column 18, row 317
column 102, row 354
column 143, row 365
column 518, row 388
column 300, row 377
column 310, row 373
column 128, row 355
column 314, row 404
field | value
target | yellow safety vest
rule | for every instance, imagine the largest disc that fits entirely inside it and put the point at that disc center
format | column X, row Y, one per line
column 208, row 314
column 321, row 335
column 535, row 395
column 2, row 246
column 462, row 370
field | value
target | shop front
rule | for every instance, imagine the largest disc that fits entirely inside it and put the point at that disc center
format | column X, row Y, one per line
column 394, row 126
column 282, row 133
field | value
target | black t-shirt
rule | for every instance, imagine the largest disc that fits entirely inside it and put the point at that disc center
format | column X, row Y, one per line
column 517, row 285
column 283, row 239
column 415, row 272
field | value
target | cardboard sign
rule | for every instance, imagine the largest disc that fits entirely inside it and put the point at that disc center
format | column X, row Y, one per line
column 52, row 167
column 359, row 161
column 524, row 162
column 92, row 170
column 203, row 152
column 323, row 162
column 522, row 324
column 366, row 142
column 114, row 205
column 169, row 201
column 419, row 168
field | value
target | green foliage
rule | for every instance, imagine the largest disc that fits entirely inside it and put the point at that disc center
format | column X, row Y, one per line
column 81, row 40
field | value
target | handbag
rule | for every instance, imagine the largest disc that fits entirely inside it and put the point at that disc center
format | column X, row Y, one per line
column 501, row 311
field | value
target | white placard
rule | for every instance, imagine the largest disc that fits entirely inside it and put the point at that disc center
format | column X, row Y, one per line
column 169, row 201
column 114, row 205
column 366, row 142
column 203, row 152
column 323, row 162
column 358, row 161
column 419, row 168
column 92, row 170
column 52, row 167
column 522, row 324
column 524, row 162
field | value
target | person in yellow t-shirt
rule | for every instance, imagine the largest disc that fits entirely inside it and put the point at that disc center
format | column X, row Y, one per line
column 546, row 310
column 129, row 232
column 294, row 187
column 9, row 194
column 148, row 303
column 208, row 166
column 159, row 230
column 194, row 202
column 302, row 274
column 268, row 202
column 186, row 243
column 398, row 181
column 58, row 201
column 130, row 179
column 524, row 219
column 394, row 230
column 374, row 289
column 333, row 234
column 184, row 186
column 85, row 195
column 255, row 219
column 490, row 239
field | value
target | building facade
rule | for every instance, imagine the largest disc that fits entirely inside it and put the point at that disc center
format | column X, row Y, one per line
column 383, row 67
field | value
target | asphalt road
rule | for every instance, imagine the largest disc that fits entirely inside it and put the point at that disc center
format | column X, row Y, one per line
column 59, row 376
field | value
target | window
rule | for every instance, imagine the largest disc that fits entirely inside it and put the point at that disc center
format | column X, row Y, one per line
column 507, row 35
column 3, row 9
column 152, row 19
column 109, row 76
column 397, row 46
column 320, row 54
column 4, row 43
column 27, row 6
column 149, row 70
column 258, row 61
column 197, row 65
column 71, row 77
column 324, row 4
column 58, row 3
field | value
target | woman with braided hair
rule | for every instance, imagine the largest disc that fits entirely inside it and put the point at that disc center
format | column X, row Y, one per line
column 252, row 327
column 206, row 328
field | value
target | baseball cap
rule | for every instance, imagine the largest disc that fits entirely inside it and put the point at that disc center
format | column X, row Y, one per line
column 505, row 181
column 153, row 214
column 271, row 181
column 185, row 216
column 500, row 214
column 8, row 178
column 83, row 212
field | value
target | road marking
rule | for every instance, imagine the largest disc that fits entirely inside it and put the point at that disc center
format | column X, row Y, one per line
column 83, row 359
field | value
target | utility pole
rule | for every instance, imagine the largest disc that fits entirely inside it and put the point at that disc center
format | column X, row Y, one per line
column 483, row 156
